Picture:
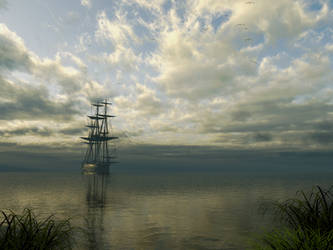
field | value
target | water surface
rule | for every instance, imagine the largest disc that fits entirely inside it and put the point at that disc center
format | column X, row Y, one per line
column 169, row 210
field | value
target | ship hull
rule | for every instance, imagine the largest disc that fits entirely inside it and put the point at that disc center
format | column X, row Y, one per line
column 95, row 168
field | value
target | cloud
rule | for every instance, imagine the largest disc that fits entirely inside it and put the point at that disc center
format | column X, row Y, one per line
column 36, row 129
column 219, row 88
column 26, row 131
column 261, row 137
column 73, row 131
column 119, row 33
column 3, row 4
column 42, row 93
column 28, row 102
column 147, row 102
column 84, row 41
column 16, row 57
column 201, row 66
column 189, row 72
column 86, row 3
column 329, row 47
column 118, row 30
column 324, row 125
column 220, row 73
column 122, row 58
column 95, row 91
column 321, row 137
column 143, row 102
column 283, row 20
column 13, row 54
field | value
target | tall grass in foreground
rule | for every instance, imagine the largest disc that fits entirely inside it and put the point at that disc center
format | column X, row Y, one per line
column 307, row 223
column 27, row 231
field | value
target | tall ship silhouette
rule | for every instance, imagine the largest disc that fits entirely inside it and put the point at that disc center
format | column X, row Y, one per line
column 99, row 155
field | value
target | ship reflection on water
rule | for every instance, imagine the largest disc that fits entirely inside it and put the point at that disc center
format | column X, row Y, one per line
column 157, row 210
column 96, row 180
column 95, row 168
column 96, row 187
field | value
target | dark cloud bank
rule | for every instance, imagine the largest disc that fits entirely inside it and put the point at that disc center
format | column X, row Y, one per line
column 152, row 158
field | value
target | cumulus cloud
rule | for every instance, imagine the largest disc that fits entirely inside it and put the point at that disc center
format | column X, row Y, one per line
column 147, row 102
column 40, row 90
column 28, row 102
column 258, row 96
column 16, row 57
column 142, row 102
column 221, row 73
column 118, row 33
column 13, row 53
column 201, row 66
column 137, row 109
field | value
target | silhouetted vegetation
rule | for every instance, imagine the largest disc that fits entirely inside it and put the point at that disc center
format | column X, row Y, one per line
column 27, row 231
column 307, row 223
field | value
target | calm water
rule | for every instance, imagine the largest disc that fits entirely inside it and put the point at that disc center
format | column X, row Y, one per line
column 215, row 210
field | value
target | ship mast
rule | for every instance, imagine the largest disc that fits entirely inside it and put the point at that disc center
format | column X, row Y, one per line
column 98, row 154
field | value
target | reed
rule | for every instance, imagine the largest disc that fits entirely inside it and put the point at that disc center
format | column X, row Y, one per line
column 307, row 222
column 27, row 231
column 289, row 239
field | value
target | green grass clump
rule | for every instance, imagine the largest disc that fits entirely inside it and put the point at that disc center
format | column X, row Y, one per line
column 307, row 223
column 296, row 239
column 27, row 231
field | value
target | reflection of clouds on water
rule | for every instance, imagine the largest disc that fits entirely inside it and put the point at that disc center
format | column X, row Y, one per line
column 156, row 210
column 181, row 212
column 178, row 221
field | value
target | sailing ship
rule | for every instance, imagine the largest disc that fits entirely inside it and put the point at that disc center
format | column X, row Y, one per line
column 99, row 155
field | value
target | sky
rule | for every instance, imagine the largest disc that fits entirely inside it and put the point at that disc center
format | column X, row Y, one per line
column 199, row 79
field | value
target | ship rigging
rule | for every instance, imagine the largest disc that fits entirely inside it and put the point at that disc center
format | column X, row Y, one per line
column 99, row 155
